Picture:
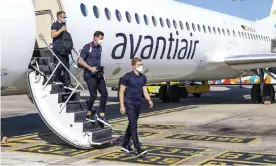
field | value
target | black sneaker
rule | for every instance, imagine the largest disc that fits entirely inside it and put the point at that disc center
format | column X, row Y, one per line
column 92, row 117
column 127, row 149
column 141, row 152
column 103, row 120
column 69, row 87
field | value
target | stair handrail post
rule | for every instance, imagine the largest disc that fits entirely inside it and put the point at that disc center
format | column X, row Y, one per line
column 41, row 36
column 71, row 94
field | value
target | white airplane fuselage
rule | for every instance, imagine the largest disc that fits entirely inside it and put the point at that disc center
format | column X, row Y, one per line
column 168, row 53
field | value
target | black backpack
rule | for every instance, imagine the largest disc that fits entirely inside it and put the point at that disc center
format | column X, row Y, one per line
column 66, row 43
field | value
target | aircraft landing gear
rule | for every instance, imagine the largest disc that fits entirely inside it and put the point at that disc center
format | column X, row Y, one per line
column 262, row 93
column 169, row 93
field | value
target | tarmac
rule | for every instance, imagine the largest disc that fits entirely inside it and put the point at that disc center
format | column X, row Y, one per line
column 222, row 127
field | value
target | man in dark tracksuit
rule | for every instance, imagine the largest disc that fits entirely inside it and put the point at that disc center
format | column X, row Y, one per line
column 56, row 32
column 133, row 84
column 90, row 59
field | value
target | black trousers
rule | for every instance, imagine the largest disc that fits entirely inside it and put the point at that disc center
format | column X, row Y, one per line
column 133, row 112
column 95, row 84
column 65, row 60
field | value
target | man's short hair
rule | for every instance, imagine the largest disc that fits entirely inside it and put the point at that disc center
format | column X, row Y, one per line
column 60, row 13
column 135, row 59
column 98, row 33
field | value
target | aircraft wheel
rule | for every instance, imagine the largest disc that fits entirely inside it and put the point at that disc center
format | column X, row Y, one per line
column 197, row 95
column 184, row 92
column 269, row 93
column 163, row 95
column 256, row 94
column 174, row 93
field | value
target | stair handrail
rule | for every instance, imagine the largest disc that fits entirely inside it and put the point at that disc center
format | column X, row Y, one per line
column 41, row 36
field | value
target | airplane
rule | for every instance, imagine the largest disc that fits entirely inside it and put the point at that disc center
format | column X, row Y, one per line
column 196, row 48
column 176, row 41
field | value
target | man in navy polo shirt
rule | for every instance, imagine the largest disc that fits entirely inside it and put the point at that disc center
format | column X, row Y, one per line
column 57, row 30
column 90, row 59
column 133, row 84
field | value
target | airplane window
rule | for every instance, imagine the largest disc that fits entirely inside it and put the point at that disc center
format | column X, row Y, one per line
column 214, row 29
column 234, row 33
column 168, row 23
column 137, row 18
column 128, row 17
column 161, row 22
column 209, row 28
column 198, row 27
column 83, row 9
column 194, row 28
column 204, row 28
column 154, row 21
column 223, row 31
column 107, row 13
column 219, row 31
column 228, row 32
column 187, row 26
column 146, row 19
column 181, row 25
column 118, row 15
column 96, row 11
column 174, row 24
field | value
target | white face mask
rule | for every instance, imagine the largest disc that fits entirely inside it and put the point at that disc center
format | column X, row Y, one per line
column 140, row 69
column 64, row 20
column 100, row 42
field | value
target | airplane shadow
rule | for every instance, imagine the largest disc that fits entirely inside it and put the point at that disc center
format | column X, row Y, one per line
column 32, row 123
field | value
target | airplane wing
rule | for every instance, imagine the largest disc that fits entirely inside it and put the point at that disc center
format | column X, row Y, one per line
column 251, row 61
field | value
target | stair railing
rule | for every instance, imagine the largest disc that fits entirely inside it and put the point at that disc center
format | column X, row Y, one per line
column 41, row 36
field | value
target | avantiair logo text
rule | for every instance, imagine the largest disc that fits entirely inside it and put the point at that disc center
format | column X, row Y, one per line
column 157, row 48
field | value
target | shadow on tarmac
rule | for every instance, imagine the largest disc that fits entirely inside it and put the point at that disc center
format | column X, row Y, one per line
column 32, row 123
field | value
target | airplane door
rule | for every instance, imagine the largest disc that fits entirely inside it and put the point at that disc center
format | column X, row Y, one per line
column 45, row 15
column 231, row 37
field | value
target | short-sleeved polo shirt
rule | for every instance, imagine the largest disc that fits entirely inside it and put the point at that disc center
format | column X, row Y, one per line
column 92, row 58
column 134, row 87
column 56, row 41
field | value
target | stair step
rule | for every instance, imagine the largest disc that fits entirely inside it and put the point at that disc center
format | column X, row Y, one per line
column 80, row 116
column 91, row 127
column 105, row 133
column 47, row 70
column 76, row 106
column 44, row 61
column 62, row 97
column 57, row 88
column 106, row 140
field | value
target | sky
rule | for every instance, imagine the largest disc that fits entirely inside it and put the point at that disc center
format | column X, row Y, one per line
column 248, row 9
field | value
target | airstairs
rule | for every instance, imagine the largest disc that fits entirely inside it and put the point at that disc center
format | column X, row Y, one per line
column 63, row 111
